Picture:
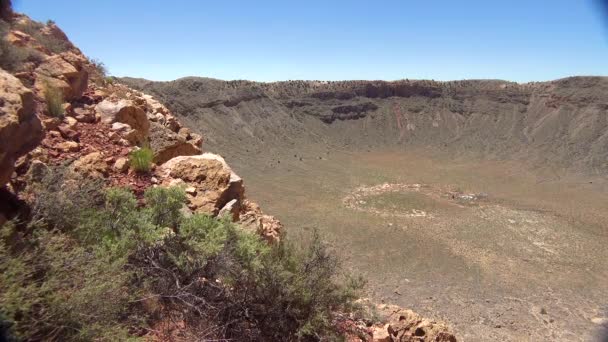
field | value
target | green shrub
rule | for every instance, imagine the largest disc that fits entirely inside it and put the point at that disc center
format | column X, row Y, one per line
column 52, row 289
column 141, row 159
column 85, row 277
column 60, row 202
column 164, row 204
column 54, row 101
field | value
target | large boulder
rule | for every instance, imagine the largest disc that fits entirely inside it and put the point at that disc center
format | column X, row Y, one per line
column 167, row 145
column 20, row 129
column 211, row 182
column 65, row 72
column 125, row 111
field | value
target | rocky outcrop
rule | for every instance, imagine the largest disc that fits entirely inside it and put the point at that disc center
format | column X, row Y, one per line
column 166, row 144
column 214, row 183
column 135, row 125
column 20, row 128
column 66, row 72
column 407, row 326
column 213, row 188
column 267, row 226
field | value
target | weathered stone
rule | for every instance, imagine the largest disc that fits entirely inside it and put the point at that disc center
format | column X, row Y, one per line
column 68, row 133
column 122, row 164
column 57, row 72
column 51, row 123
column 92, row 165
column 84, row 115
column 196, row 140
column 70, row 122
column 68, row 146
column 166, row 145
column 380, row 334
column 231, row 209
column 407, row 326
column 172, row 123
column 125, row 111
column 251, row 217
column 184, row 133
column 20, row 128
column 215, row 183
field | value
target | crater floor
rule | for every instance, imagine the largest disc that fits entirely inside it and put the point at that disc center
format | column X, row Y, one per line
column 499, row 251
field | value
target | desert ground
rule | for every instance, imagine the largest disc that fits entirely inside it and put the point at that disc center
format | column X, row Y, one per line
column 499, row 251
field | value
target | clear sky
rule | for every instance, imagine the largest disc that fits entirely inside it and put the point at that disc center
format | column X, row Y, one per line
column 518, row 40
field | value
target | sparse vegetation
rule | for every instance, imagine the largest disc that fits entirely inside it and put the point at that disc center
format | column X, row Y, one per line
column 13, row 57
column 95, row 274
column 49, row 42
column 141, row 159
column 100, row 67
column 54, row 100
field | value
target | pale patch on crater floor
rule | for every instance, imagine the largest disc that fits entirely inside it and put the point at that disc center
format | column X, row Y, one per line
column 408, row 200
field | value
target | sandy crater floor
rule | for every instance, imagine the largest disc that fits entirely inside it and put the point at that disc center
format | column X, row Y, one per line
column 500, row 252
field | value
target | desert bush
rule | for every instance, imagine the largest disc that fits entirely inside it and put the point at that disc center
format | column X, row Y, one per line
column 99, row 67
column 52, row 289
column 268, row 292
column 54, row 100
column 61, row 202
column 85, row 277
column 163, row 205
column 141, row 159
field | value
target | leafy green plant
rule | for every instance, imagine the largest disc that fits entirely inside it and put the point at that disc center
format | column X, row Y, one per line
column 141, row 159
column 54, row 100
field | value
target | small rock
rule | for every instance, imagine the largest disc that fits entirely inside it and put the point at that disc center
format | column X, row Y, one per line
column 68, row 133
column 51, row 124
column 55, row 134
column 380, row 334
column 543, row 311
column 83, row 115
column 154, row 180
column 122, row 164
column 70, row 121
column 68, row 146
column 67, row 108
column 190, row 190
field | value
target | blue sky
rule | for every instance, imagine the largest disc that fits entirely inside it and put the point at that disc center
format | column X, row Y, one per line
column 518, row 40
